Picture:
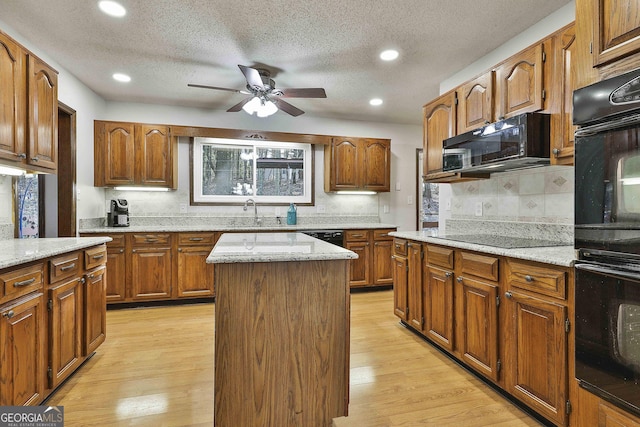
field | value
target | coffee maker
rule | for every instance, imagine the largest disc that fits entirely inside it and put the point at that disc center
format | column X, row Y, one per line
column 118, row 215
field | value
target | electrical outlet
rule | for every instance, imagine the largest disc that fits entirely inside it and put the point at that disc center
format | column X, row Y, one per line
column 183, row 208
column 478, row 208
column 320, row 208
column 409, row 200
column 447, row 206
column 385, row 209
column 277, row 212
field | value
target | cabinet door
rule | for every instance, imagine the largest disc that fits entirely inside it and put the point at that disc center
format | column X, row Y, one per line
column 400, row 287
column 13, row 100
column 95, row 309
column 616, row 30
column 360, row 269
column 154, row 165
column 536, row 355
column 478, row 325
column 438, row 307
column 382, row 266
column 114, row 154
column 43, row 115
column 22, row 329
column 439, row 123
column 151, row 273
column 344, row 173
column 65, row 330
column 610, row 416
column 475, row 107
column 414, row 286
column 376, row 174
column 519, row 83
column 195, row 276
column 117, row 283
column 562, row 125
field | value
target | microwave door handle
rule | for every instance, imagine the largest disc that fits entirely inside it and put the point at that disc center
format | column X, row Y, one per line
column 609, row 271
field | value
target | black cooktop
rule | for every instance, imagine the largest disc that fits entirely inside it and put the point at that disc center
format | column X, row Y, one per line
column 503, row 241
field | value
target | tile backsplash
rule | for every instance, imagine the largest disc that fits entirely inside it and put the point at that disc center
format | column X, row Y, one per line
column 541, row 195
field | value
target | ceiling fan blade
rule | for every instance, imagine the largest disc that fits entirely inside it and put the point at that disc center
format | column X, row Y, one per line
column 215, row 87
column 253, row 77
column 286, row 107
column 239, row 105
column 311, row 92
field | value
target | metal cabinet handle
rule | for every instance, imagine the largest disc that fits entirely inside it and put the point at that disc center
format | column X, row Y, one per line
column 528, row 278
column 98, row 256
column 501, row 118
column 24, row 282
column 121, row 250
column 9, row 314
column 459, row 279
column 195, row 239
column 179, row 249
column 556, row 151
column 151, row 240
column 68, row 267
column 21, row 155
column 448, row 274
column 508, row 294
column 82, row 280
column 35, row 159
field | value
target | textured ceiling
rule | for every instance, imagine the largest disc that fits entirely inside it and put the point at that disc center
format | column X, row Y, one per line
column 165, row 44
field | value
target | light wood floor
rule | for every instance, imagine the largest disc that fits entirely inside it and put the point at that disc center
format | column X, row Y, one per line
column 156, row 369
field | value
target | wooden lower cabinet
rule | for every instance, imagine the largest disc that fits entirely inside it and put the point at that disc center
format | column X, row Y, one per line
column 151, row 273
column 610, row 416
column 116, row 269
column 95, row 319
column 400, row 278
column 415, row 316
column 438, row 306
column 360, row 268
column 22, row 351
column 373, row 266
column 536, row 355
column 65, row 306
column 195, row 276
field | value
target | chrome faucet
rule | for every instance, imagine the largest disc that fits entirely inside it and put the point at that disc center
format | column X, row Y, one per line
column 256, row 220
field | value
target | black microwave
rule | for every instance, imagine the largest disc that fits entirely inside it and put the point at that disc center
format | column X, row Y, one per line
column 517, row 142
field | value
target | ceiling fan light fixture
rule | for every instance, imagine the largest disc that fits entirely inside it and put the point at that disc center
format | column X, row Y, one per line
column 260, row 107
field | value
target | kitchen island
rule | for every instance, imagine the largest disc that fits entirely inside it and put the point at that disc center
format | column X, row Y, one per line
column 281, row 330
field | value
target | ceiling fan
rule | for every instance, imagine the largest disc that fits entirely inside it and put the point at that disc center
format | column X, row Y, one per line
column 265, row 99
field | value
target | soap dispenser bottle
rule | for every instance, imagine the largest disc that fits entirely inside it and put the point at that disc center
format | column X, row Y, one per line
column 292, row 215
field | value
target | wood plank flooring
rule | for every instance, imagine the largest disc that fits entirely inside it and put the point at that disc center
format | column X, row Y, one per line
column 156, row 369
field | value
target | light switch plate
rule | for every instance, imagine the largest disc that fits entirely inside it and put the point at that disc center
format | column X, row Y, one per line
column 183, row 208
column 478, row 208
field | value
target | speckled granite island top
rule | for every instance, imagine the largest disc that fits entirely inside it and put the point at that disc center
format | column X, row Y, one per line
column 274, row 247
column 556, row 255
column 19, row 251
column 242, row 228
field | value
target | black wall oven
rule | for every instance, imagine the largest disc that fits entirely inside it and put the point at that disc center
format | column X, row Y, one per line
column 607, row 237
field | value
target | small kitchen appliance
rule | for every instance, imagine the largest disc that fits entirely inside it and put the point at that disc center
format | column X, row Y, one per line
column 118, row 215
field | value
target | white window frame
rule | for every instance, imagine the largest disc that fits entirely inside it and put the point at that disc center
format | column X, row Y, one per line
column 199, row 198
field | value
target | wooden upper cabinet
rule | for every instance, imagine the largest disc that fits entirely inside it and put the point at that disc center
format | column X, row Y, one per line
column 43, row 115
column 616, row 29
column 154, row 153
column 12, row 99
column 357, row 164
column 376, row 173
column 134, row 154
column 475, row 103
column 439, row 123
column 562, row 128
column 519, row 83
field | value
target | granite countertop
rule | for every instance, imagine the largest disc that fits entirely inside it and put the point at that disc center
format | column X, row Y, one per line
column 241, row 228
column 19, row 251
column 274, row 247
column 556, row 255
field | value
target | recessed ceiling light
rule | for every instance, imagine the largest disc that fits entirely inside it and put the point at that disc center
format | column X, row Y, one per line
column 112, row 8
column 121, row 77
column 375, row 101
column 389, row 55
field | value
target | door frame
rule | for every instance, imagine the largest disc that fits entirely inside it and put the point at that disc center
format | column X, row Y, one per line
column 67, row 224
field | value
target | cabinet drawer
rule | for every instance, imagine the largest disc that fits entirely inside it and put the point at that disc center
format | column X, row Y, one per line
column 196, row 239
column 151, row 239
column 357, row 235
column 479, row 265
column 537, row 278
column 400, row 247
column 94, row 257
column 64, row 266
column 437, row 255
column 117, row 242
column 21, row 281
column 383, row 234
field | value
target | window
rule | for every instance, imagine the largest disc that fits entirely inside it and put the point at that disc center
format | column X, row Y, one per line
column 230, row 171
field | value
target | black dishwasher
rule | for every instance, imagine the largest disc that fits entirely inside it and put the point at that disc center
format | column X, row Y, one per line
column 335, row 237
